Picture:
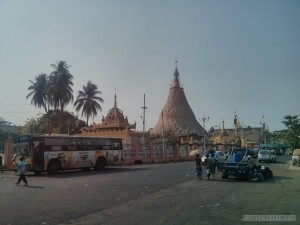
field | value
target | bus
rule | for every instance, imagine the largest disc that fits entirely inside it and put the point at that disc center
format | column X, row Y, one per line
column 53, row 153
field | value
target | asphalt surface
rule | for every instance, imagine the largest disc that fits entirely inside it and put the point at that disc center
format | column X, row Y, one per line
column 148, row 194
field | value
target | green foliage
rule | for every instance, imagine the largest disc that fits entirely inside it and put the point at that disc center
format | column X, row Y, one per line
column 87, row 101
column 53, row 123
column 292, row 134
column 32, row 126
column 60, row 84
column 54, row 91
column 38, row 91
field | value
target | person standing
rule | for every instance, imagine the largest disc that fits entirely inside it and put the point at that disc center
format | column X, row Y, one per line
column 213, row 164
column 207, row 164
column 21, row 171
column 198, row 167
column 1, row 165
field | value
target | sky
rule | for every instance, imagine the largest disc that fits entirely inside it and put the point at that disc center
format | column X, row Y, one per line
column 234, row 56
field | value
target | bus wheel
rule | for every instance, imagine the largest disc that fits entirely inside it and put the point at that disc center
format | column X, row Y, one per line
column 53, row 167
column 100, row 164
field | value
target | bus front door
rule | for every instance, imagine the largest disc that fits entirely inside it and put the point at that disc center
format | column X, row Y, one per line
column 38, row 158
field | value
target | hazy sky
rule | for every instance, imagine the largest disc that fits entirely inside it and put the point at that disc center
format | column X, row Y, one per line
column 233, row 55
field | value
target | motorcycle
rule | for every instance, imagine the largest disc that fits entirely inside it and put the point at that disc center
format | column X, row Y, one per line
column 260, row 173
column 266, row 172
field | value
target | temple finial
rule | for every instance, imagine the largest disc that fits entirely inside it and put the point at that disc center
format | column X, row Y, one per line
column 176, row 76
column 115, row 104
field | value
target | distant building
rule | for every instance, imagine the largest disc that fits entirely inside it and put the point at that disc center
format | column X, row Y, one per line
column 226, row 139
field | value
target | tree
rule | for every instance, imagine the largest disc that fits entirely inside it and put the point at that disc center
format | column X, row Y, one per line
column 60, row 85
column 39, row 125
column 38, row 91
column 293, row 130
column 31, row 126
column 87, row 101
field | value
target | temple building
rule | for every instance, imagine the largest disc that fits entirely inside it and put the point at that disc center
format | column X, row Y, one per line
column 177, row 118
column 115, row 124
column 225, row 139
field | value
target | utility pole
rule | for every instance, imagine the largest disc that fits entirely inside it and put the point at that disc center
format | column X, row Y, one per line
column 204, row 132
column 235, row 123
column 264, row 131
column 144, row 109
column 163, row 134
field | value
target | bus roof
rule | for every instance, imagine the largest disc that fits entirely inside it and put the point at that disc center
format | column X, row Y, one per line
column 70, row 136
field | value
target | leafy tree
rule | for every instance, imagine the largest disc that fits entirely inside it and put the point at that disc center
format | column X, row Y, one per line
column 88, row 102
column 31, row 126
column 293, row 130
column 54, row 90
column 38, row 91
column 69, row 125
column 279, row 136
column 60, row 85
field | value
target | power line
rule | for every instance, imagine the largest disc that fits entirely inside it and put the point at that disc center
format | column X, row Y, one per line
column 1, row 103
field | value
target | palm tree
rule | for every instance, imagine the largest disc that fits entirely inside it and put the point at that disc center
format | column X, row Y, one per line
column 87, row 101
column 38, row 92
column 60, row 85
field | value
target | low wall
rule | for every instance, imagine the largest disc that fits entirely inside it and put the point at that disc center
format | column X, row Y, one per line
column 155, row 153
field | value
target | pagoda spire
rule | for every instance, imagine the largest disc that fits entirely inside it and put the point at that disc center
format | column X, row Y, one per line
column 176, row 76
column 115, row 102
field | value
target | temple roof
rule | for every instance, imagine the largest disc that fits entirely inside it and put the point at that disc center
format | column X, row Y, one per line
column 114, row 119
column 177, row 115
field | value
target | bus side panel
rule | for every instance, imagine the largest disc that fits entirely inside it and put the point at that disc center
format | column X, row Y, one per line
column 65, row 158
column 83, row 159
column 114, row 157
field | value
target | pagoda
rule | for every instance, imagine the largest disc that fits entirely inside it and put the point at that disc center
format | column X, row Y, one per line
column 177, row 116
column 115, row 124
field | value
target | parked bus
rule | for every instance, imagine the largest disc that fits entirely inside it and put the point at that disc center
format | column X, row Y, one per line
column 53, row 153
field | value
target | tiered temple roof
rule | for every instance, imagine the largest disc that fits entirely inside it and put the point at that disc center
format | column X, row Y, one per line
column 114, row 120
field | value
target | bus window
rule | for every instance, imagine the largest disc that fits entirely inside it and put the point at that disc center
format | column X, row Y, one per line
column 55, row 141
column 90, row 144
column 117, row 145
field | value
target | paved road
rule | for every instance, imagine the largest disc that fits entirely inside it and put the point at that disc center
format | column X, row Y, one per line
column 149, row 194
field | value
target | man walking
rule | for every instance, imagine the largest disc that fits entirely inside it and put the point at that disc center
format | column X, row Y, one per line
column 207, row 163
column 21, row 171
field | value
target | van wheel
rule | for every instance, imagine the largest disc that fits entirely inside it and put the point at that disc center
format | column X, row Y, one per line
column 53, row 167
column 100, row 164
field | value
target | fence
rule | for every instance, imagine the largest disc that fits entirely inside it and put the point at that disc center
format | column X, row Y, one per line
column 155, row 152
